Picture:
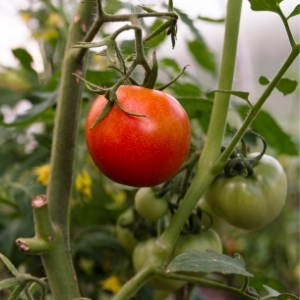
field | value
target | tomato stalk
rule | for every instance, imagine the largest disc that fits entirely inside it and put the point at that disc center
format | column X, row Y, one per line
column 52, row 227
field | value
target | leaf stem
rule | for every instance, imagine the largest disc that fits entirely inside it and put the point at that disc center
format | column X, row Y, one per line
column 209, row 283
column 256, row 108
column 134, row 284
column 287, row 27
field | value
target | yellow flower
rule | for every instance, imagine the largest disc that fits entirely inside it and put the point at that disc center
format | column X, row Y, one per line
column 83, row 183
column 54, row 19
column 112, row 284
column 43, row 173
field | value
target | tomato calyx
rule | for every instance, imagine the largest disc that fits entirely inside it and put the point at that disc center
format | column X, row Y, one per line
column 239, row 164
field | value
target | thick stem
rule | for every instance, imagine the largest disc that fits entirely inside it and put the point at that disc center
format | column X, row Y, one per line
column 221, row 102
column 213, row 144
column 58, row 262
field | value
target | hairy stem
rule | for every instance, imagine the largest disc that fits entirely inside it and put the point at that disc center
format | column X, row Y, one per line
column 58, row 262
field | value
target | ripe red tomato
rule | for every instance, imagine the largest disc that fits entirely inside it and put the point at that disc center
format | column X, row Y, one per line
column 139, row 151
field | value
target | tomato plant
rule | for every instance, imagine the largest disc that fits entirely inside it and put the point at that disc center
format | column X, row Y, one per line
column 250, row 202
column 139, row 151
column 141, row 252
column 148, row 206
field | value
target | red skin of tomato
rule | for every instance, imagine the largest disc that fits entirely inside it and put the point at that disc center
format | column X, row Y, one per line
column 139, row 151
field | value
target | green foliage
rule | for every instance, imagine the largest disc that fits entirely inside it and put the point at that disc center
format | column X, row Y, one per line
column 207, row 262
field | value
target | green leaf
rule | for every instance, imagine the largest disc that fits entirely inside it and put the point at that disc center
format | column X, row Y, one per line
column 263, row 80
column 197, row 108
column 9, row 265
column 265, row 5
column 207, row 262
column 102, row 78
column 24, row 57
column 295, row 12
column 267, row 126
column 286, row 86
column 8, row 283
column 35, row 111
column 203, row 55
column 171, row 63
column 240, row 94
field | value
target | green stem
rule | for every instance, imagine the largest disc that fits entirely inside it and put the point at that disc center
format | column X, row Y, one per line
column 218, row 120
column 256, row 108
column 217, row 125
column 287, row 28
column 134, row 284
column 58, row 262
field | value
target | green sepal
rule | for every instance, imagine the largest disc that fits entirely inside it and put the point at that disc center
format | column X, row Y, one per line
column 104, row 112
column 152, row 76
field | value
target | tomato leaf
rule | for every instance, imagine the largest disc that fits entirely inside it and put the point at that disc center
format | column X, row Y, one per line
column 265, row 5
column 209, row 261
column 263, row 80
column 24, row 58
column 286, row 86
column 240, row 94
column 295, row 12
column 202, row 55
column 266, row 125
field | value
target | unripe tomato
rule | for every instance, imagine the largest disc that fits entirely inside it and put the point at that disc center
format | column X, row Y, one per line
column 139, row 151
column 141, row 253
column 218, row 224
column 124, row 235
column 250, row 202
column 148, row 206
column 207, row 240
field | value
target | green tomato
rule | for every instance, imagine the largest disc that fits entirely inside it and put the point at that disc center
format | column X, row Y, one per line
column 218, row 224
column 141, row 253
column 207, row 240
column 250, row 202
column 148, row 206
column 124, row 235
